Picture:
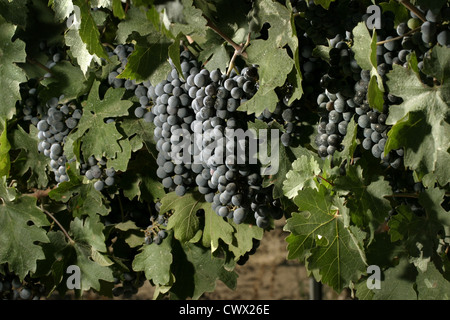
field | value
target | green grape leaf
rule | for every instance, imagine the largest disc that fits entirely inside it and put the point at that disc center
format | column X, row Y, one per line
column 303, row 174
column 79, row 50
column 150, row 61
column 285, row 158
column 67, row 80
column 203, row 268
column 140, row 180
column 324, row 3
column 184, row 221
column 431, row 4
column 350, row 142
column 19, row 240
column 62, row 8
column 420, row 123
column 136, row 21
column 269, row 53
column 190, row 22
column 155, row 260
column 216, row 228
column 81, row 198
column 214, row 53
column 337, row 247
column 132, row 234
column 418, row 233
column 431, row 284
column 259, row 102
column 5, row 146
column 118, row 10
column 29, row 158
column 89, row 32
column 89, row 231
column 101, row 138
column 243, row 238
column 365, row 49
column 15, row 12
column 91, row 271
column 11, row 52
column 401, row 13
column 366, row 200
column 397, row 283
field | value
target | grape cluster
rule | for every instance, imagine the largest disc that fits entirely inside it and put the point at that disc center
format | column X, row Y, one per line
column 199, row 107
column 97, row 170
column 54, row 53
column 11, row 288
column 320, row 25
column 56, row 123
column 343, row 96
column 346, row 97
column 127, row 284
column 156, row 232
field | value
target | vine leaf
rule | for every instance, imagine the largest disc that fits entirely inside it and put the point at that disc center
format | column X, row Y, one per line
column 431, row 284
column 101, row 138
column 136, row 22
column 184, row 221
column 5, row 146
column 365, row 49
column 216, row 228
column 11, row 52
column 19, row 240
column 303, row 173
column 155, row 260
column 365, row 199
column 192, row 21
column 243, row 238
column 149, row 61
column 397, row 283
column 62, row 8
column 420, row 122
column 197, row 271
column 324, row 3
column 79, row 50
column 269, row 53
column 89, row 231
column 91, row 271
column 89, row 32
column 66, row 80
column 334, row 247
column 82, row 198
column 29, row 158
column 15, row 12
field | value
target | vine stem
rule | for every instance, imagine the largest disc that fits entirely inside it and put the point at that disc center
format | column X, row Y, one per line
column 59, row 225
column 40, row 65
column 403, row 195
column 236, row 47
column 413, row 9
column 320, row 177
column 399, row 37
column 238, row 53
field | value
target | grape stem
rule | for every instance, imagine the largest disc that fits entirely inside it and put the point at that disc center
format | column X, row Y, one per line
column 399, row 37
column 238, row 53
column 40, row 65
column 59, row 225
column 413, row 9
column 322, row 178
column 403, row 195
column 236, row 47
column 40, row 193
